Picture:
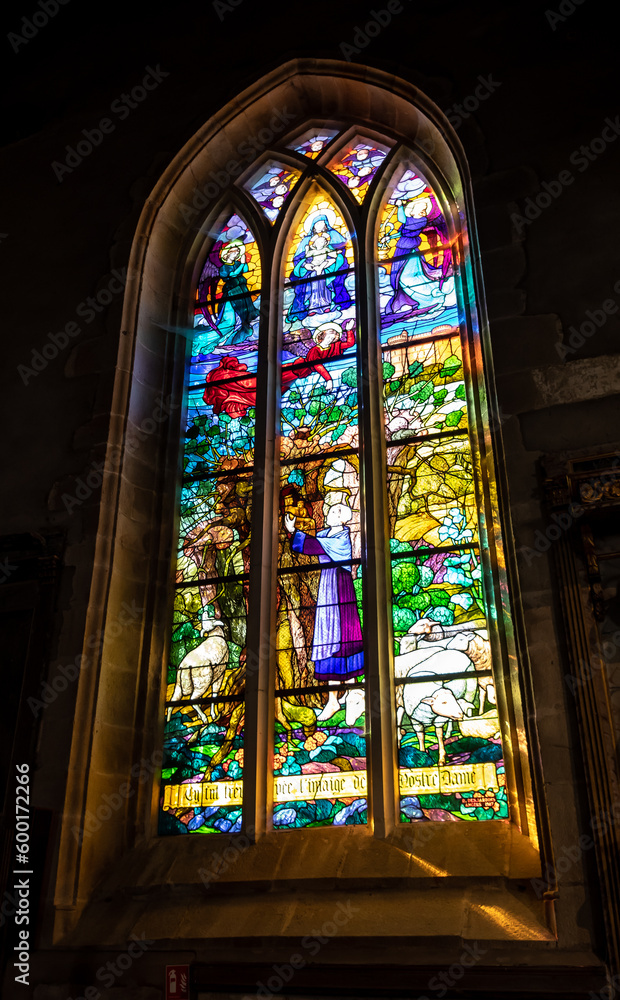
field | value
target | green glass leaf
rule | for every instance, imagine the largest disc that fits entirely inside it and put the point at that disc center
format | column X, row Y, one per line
column 417, row 602
column 422, row 392
column 403, row 619
column 184, row 638
column 405, row 576
column 439, row 613
column 439, row 597
column 397, row 546
column 450, row 367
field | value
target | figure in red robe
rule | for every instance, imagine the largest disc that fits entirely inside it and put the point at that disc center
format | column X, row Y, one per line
column 234, row 392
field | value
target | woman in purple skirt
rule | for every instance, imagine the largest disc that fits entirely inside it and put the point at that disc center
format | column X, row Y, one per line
column 337, row 647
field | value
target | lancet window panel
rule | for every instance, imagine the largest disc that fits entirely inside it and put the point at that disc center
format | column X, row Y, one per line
column 319, row 632
column 202, row 777
column 449, row 732
column 438, row 623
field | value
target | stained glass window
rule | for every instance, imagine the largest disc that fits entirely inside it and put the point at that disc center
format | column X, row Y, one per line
column 439, row 621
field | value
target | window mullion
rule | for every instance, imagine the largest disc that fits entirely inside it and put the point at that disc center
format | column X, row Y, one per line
column 258, row 786
column 380, row 696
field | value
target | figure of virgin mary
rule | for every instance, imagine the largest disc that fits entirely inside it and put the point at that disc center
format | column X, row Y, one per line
column 318, row 256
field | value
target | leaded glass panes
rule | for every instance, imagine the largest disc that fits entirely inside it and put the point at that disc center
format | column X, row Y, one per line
column 424, row 386
column 357, row 165
column 450, row 760
column 320, row 744
column 203, row 766
column 449, row 744
column 313, row 142
column 272, row 187
column 416, row 283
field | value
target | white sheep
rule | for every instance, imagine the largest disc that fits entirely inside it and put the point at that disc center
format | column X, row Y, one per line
column 354, row 705
column 202, row 670
column 435, row 702
column 475, row 643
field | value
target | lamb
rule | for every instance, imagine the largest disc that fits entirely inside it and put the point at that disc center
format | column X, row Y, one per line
column 475, row 643
column 354, row 703
column 202, row 670
column 435, row 702
column 483, row 727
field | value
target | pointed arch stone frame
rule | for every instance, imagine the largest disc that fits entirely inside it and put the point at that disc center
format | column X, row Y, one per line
column 474, row 869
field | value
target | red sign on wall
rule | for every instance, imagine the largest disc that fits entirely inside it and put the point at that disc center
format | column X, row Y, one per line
column 177, row 982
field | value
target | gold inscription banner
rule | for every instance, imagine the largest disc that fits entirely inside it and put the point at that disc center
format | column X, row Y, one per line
column 330, row 785
column 336, row 785
column 203, row 793
column 448, row 779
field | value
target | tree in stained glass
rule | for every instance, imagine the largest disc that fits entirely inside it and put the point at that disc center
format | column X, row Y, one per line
column 203, row 767
column 272, row 187
column 450, row 750
column 357, row 165
column 320, row 742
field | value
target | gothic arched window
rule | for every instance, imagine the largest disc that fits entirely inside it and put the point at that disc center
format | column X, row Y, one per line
column 336, row 600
